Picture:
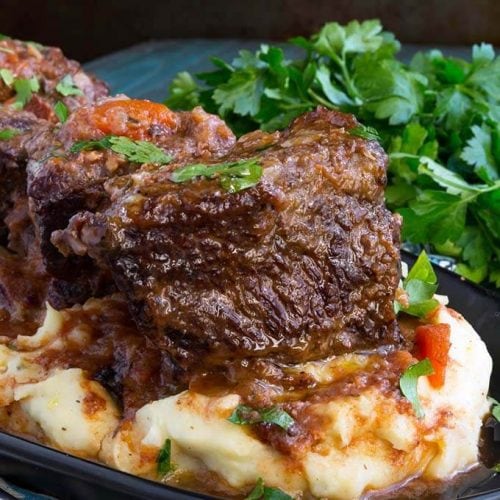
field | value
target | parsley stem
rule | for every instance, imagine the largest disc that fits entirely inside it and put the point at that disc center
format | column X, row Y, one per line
column 349, row 84
column 320, row 99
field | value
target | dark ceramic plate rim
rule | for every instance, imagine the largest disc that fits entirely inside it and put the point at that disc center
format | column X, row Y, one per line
column 23, row 456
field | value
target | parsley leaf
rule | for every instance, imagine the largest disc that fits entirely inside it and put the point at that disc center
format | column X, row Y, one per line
column 262, row 492
column 408, row 383
column 61, row 111
column 423, row 220
column 7, row 76
column 233, row 177
column 420, row 286
column 164, row 461
column 67, row 87
column 452, row 182
column 8, row 133
column 139, row 151
column 335, row 40
column 24, row 90
column 89, row 145
column 245, row 415
column 241, row 94
column 183, row 92
column 135, row 151
column 478, row 153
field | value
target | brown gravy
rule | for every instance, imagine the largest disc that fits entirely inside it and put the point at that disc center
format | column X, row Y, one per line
column 133, row 369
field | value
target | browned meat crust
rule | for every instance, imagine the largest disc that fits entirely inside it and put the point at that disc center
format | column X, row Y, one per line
column 63, row 184
column 26, row 60
column 303, row 265
column 22, row 293
column 31, row 127
column 13, row 158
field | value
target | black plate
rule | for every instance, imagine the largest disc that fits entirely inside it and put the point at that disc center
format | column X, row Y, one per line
column 54, row 473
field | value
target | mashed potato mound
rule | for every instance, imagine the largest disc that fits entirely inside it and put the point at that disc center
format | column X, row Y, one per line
column 365, row 442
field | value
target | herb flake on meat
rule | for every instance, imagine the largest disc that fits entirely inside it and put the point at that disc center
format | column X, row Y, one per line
column 61, row 111
column 7, row 76
column 233, row 177
column 368, row 133
column 67, row 87
column 8, row 133
column 24, row 88
column 134, row 151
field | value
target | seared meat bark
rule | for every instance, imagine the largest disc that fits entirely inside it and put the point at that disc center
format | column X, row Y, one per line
column 23, row 126
column 62, row 184
column 45, row 68
column 303, row 265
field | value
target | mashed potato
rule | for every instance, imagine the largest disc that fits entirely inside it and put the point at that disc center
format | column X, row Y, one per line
column 365, row 442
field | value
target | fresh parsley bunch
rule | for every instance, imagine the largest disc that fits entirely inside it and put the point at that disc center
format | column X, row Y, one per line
column 438, row 117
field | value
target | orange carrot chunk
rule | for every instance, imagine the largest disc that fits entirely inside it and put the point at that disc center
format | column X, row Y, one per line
column 433, row 342
column 133, row 118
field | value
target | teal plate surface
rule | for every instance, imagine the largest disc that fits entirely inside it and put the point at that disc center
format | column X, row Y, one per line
column 145, row 70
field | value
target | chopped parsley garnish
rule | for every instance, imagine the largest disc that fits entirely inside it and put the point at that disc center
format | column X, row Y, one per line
column 408, row 383
column 61, row 111
column 67, row 87
column 438, row 117
column 24, row 88
column 496, row 468
column 262, row 492
column 233, row 177
column 135, row 151
column 164, row 461
column 8, row 133
column 368, row 133
column 89, row 145
column 420, row 286
column 7, row 76
column 495, row 408
column 245, row 415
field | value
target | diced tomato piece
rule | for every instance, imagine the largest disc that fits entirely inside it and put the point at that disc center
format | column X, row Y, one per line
column 433, row 342
column 133, row 118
